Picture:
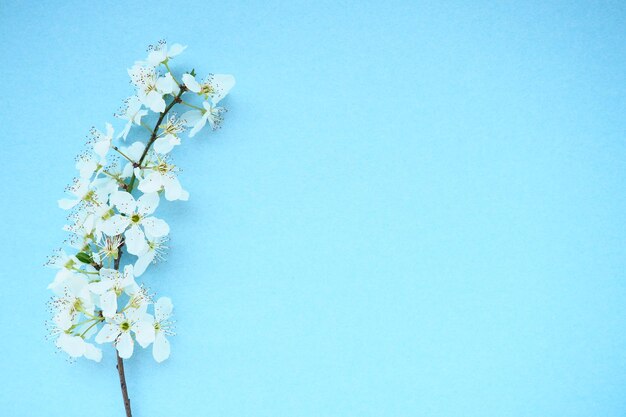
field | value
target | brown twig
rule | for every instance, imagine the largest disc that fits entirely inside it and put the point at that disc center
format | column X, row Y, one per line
column 120, row 371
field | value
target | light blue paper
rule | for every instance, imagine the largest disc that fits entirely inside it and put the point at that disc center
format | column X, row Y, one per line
column 412, row 209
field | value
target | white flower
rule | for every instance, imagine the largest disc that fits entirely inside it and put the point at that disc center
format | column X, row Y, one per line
column 151, row 87
column 113, row 283
column 102, row 142
column 159, row 53
column 104, row 186
column 169, row 138
column 91, row 193
column 161, row 177
column 66, row 265
column 118, row 330
column 135, row 213
column 81, row 192
column 75, row 346
column 88, row 223
column 154, row 250
column 215, row 87
column 108, row 248
column 132, row 112
column 76, row 299
column 196, row 119
column 81, row 228
column 87, row 163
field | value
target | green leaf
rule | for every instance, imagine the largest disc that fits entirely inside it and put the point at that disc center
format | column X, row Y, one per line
column 193, row 72
column 84, row 257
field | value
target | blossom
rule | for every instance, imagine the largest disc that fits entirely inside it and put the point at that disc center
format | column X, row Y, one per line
column 82, row 229
column 113, row 283
column 159, row 53
column 75, row 346
column 155, row 249
column 75, row 299
column 135, row 213
column 108, row 247
column 151, row 87
column 162, row 176
column 196, row 119
column 215, row 87
column 104, row 186
column 132, row 112
column 81, row 192
column 87, row 224
column 66, row 264
column 118, row 330
column 169, row 138
column 101, row 141
column 87, row 163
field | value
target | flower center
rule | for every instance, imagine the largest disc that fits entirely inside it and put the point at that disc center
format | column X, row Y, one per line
column 125, row 326
column 135, row 218
column 207, row 89
column 89, row 196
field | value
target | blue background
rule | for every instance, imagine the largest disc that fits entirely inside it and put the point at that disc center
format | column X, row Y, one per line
column 413, row 208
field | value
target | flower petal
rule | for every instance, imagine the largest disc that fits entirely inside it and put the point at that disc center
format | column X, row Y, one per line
column 163, row 145
column 108, row 303
column 66, row 203
column 223, row 84
column 115, row 225
column 147, row 203
column 124, row 202
column 191, row 117
column 197, row 127
column 176, row 49
column 155, row 102
column 172, row 187
column 151, row 183
column 161, row 348
column 72, row 345
column 157, row 56
column 135, row 240
column 163, row 308
column 144, row 332
column 155, row 227
column 108, row 333
column 125, row 345
column 143, row 261
column 92, row 352
column 166, row 84
column 191, row 83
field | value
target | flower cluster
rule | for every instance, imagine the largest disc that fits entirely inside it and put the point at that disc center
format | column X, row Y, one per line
column 112, row 203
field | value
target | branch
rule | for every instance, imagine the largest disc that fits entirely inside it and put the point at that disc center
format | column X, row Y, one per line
column 129, row 188
column 120, row 371
column 155, row 131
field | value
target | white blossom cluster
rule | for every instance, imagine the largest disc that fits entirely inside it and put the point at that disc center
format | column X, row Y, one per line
column 112, row 201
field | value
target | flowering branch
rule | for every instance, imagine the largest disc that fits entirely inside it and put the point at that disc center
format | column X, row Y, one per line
column 153, row 136
column 95, row 296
